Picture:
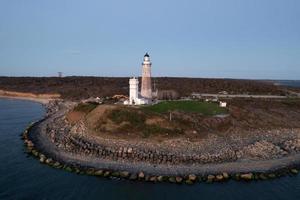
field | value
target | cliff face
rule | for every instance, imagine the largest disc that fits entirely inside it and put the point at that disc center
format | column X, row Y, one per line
column 84, row 87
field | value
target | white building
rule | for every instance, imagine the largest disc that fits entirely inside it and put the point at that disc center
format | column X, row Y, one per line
column 223, row 104
column 134, row 97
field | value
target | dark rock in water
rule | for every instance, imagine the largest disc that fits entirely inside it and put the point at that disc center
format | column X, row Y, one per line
column 263, row 177
column 69, row 169
column 160, row 178
column 124, row 174
column 115, row 174
column 90, row 171
column 189, row 182
column 172, row 179
column 153, row 179
column 106, row 174
column 35, row 153
column 49, row 161
column 99, row 172
column 294, row 171
column 133, row 176
column 272, row 176
column 237, row 177
column 57, row 165
column 179, row 179
column 147, row 178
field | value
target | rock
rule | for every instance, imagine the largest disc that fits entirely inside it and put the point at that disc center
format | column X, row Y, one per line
column 69, row 169
column 225, row 175
column 153, row 179
column 189, row 182
column 106, row 174
column 99, row 172
column 294, row 171
column 77, row 170
column 192, row 177
column 210, row 178
column 160, row 178
column 147, row 178
column 272, row 176
column 115, row 174
column 35, row 153
column 237, row 177
column 141, row 175
column 49, row 161
column 57, row 165
column 129, row 151
column 263, row 177
column 247, row 177
column 42, row 159
column 133, row 176
column 124, row 174
column 179, row 179
column 219, row 177
column 172, row 179
column 90, row 171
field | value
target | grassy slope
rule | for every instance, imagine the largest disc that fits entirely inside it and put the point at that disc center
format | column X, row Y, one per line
column 205, row 108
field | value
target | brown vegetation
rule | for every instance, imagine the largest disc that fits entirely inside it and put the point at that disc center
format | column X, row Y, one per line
column 84, row 87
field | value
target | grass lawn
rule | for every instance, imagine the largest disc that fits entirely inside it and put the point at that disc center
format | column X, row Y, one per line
column 205, row 108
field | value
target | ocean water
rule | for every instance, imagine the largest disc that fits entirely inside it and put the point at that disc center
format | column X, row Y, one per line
column 295, row 83
column 23, row 177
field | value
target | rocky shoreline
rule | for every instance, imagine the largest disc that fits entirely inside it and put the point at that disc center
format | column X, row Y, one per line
column 60, row 145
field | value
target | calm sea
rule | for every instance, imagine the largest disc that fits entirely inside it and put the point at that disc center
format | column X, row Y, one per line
column 23, row 177
column 289, row 83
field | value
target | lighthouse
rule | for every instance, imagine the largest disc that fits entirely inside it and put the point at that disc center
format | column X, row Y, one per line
column 146, row 90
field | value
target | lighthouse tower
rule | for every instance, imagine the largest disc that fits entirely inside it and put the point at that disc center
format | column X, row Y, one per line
column 146, row 90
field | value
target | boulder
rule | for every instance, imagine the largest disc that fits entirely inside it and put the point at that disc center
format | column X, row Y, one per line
column 153, row 179
column 179, row 179
column 219, row 178
column 129, row 150
column 160, row 178
column 141, row 175
column 294, row 171
column 69, row 169
column 115, row 174
column 106, row 174
column 172, row 179
column 124, row 174
column 263, row 177
column 192, row 177
column 225, row 175
column 210, row 178
column 189, row 182
column 99, row 172
column 272, row 175
column 247, row 177
column 49, row 161
column 57, row 165
column 133, row 176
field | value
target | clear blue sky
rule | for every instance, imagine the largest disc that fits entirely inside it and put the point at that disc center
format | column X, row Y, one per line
column 195, row 38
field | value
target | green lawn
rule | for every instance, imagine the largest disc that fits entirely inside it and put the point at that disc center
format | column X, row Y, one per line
column 205, row 108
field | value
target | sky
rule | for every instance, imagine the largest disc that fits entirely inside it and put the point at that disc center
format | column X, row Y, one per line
column 252, row 39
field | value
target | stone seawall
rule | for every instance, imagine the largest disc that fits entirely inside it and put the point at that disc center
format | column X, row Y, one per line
column 56, row 143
